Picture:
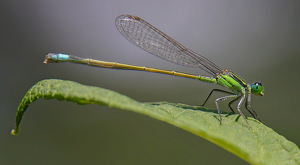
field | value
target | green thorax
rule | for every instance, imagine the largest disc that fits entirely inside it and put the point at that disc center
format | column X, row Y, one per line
column 233, row 82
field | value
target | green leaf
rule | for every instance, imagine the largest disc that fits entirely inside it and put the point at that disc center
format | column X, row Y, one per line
column 256, row 145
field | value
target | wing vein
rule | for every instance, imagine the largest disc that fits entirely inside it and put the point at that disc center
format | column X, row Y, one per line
column 154, row 41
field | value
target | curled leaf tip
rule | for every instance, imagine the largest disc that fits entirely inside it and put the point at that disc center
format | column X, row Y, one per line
column 14, row 132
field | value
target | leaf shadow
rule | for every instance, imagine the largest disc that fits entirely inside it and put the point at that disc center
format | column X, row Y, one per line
column 189, row 107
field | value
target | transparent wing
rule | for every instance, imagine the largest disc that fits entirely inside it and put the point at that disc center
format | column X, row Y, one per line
column 152, row 40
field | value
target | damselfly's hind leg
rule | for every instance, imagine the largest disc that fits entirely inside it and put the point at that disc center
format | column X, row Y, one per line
column 222, row 99
column 232, row 101
column 217, row 90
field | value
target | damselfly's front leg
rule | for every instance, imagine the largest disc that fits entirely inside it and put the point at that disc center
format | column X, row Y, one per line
column 229, row 104
column 239, row 109
column 249, row 107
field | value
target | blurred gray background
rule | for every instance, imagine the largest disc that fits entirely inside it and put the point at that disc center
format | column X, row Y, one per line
column 257, row 40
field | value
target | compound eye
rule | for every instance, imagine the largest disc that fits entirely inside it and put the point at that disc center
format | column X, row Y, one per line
column 257, row 89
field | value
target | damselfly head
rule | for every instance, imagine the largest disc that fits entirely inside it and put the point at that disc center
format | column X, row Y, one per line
column 257, row 89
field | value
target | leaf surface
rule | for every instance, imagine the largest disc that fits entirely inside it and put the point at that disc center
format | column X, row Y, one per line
column 256, row 145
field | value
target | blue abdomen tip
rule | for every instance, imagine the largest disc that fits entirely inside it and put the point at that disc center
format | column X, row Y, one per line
column 62, row 57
